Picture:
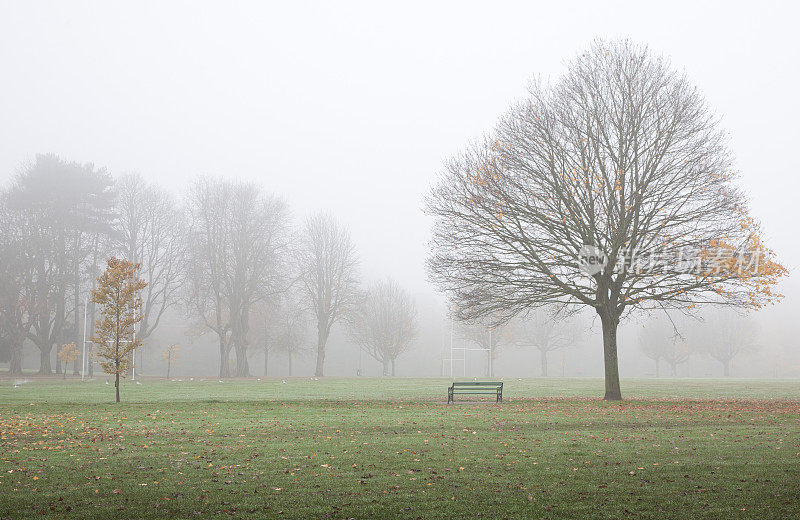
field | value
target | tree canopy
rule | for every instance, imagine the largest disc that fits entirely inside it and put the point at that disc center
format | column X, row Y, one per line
column 611, row 188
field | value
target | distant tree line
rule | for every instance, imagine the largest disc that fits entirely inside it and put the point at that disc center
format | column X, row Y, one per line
column 547, row 330
column 226, row 253
column 722, row 335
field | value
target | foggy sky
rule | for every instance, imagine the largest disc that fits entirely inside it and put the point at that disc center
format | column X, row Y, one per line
column 353, row 107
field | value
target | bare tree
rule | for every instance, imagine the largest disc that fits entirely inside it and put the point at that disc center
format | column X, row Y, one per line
column 659, row 339
column 676, row 353
column 385, row 323
column 207, row 251
column 327, row 263
column 547, row 331
column 725, row 335
column 237, row 250
column 290, row 329
column 279, row 327
column 151, row 233
column 651, row 343
column 589, row 193
column 265, row 318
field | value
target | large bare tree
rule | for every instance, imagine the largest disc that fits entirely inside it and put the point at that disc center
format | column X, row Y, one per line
column 328, row 276
column 237, row 252
column 385, row 323
column 151, row 233
column 207, row 242
column 597, row 191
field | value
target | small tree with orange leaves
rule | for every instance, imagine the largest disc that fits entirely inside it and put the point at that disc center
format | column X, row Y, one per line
column 120, row 311
column 68, row 354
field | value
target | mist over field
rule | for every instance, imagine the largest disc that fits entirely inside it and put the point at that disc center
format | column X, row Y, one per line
column 352, row 109
column 412, row 260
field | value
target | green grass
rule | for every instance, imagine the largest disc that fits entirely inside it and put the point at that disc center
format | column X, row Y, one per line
column 347, row 448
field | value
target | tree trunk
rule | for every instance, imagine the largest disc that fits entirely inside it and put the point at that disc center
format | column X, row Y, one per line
column 242, row 366
column 613, row 391
column 726, row 368
column 657, row 360
column 674, row 369
column 290, row 363
column 393, row 371
column 266, row 361
column 15, row 364
column 116, row 362
column 169, row 365
column 320, row 361
column 543, row 360
column 385, row 368
column 15, row 361
column 322, row 339
column 240, row 326
column 44, row 361
column 224, row 365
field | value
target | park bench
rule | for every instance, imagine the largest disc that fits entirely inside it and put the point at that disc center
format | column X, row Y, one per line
column 475, row 387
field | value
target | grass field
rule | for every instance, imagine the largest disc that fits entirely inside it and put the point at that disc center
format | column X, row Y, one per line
column 346, row 448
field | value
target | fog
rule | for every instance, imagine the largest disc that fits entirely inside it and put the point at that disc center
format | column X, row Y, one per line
column 353, row 108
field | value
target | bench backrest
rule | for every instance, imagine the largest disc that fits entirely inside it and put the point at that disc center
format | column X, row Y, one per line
column 463, row 384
